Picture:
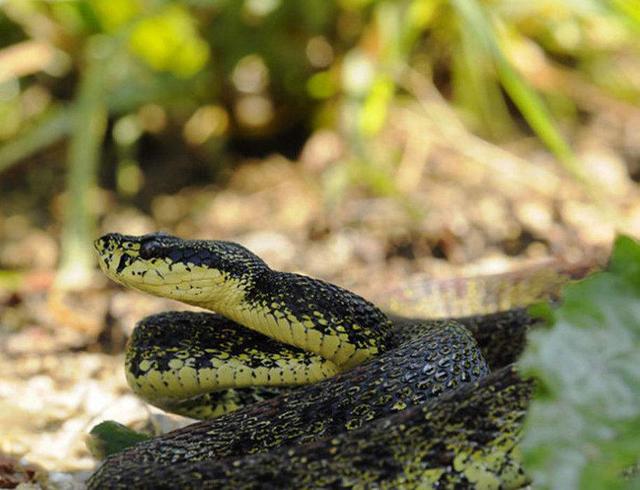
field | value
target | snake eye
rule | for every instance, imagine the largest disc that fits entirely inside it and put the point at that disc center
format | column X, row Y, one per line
column 150, row 248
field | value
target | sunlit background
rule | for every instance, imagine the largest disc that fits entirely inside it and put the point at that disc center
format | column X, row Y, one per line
column 363, row 142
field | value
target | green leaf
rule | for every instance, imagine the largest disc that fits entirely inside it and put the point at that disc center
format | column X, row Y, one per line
column 542, row 311
column 170, row 42
column 376, row 106
column 625, row 260
column 630, row 11
column 110, row 437
column 583, row 427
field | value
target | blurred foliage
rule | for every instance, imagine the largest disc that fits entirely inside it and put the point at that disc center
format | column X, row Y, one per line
column 266, row 65
column 203, row 77
column 584, row 423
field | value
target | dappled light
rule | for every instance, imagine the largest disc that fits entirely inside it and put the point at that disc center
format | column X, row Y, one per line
column 393, row 148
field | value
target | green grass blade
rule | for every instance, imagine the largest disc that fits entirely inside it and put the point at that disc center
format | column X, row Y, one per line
column 524, row 97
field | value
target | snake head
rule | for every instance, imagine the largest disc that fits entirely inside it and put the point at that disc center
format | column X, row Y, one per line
column 199, row 272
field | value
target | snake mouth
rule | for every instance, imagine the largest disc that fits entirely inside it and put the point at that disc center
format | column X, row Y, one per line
column 116, row 253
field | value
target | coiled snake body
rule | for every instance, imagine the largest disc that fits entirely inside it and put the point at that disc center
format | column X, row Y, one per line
column 311, row 386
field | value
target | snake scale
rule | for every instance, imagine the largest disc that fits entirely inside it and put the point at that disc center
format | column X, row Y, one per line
column 307, row 385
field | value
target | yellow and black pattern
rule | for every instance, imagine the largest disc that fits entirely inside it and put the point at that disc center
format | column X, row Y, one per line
column 409, row 404
column 426, row 360
column 467, row 438
column 227, row 278
column 202, row 365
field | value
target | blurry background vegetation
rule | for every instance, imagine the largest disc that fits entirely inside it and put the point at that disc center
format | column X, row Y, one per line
column 145, row 97
column 350, row 139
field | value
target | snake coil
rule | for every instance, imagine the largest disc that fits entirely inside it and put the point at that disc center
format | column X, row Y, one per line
column 307, row 385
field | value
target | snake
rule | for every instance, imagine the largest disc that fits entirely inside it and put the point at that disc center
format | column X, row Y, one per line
column 301, row 383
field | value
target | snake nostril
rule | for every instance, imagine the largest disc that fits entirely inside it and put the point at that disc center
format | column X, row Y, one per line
column 108, row 242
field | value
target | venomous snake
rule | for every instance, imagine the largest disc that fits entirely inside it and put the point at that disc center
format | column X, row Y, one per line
column 307, row 385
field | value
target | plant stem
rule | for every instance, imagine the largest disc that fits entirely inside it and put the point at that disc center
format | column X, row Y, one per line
column 88, row 125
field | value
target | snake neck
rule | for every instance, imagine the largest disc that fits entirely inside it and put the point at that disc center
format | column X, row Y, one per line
column 307, row 313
